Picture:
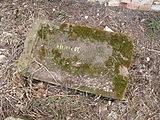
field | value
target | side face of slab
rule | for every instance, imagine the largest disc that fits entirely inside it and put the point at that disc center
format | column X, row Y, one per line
column 78, row 57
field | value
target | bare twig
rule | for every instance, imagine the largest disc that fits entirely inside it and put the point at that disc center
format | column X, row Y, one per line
column 47, row 71
column 154, row 50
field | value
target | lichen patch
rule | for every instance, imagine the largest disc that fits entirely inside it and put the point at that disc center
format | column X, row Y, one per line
column 123, row 71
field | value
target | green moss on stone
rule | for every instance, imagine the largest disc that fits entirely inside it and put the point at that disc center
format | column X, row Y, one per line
column 42, row 52
column 120, row 84
column 119, row 42
column 68, row 64
column 43, row 31
column 85, row 32
column 94, row 91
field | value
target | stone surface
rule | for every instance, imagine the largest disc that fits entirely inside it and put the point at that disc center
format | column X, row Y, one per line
column 78, row 57
column 2, row 58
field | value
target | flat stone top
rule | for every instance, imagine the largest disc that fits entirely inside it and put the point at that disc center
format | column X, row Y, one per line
column 94, row 53
column 78, row 57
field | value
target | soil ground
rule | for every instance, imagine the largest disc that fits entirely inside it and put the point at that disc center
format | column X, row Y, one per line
column 20, row 99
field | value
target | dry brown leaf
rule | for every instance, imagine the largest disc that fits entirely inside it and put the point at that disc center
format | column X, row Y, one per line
column 41, row 93
column 37, row 66
column 40, row 85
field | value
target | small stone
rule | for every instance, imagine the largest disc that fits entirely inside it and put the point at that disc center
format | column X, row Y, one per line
column 111, row 90
column 2, row 58
column 143, row 20
column 25, row 6
column 123, row 24
column 86, row 17
column 2, row 50
column 53, row 10
column 108, row 29
column 105, row 4
column 109, row 102
column 68, row 117
column 148, row 59
column 140, row 70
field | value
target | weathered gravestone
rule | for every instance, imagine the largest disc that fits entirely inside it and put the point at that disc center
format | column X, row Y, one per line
column 78, row 57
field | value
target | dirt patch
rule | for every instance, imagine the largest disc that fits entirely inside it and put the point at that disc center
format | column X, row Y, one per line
column 19, row 98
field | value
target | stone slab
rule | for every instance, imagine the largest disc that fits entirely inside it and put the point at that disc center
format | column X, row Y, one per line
column 78, row 57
